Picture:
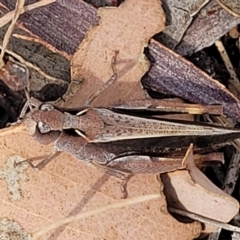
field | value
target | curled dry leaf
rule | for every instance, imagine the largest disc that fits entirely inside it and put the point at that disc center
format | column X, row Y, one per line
column 67, row 187
column 191, row 190
column 126, row 29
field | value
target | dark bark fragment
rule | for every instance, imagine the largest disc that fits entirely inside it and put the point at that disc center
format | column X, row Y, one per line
column 172, row 74
column 62, row 24
column 211, row 23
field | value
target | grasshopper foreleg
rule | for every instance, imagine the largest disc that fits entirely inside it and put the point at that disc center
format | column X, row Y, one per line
column 43, row 163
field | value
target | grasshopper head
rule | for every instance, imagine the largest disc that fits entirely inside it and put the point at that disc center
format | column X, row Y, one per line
column 47, row 118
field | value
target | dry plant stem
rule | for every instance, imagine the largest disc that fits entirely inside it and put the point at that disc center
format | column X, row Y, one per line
column 37, row 40
column 8, row 17
column 215, row 235
column 116, row 205
column 232, row 174
column 108, row 83
column 205, row 220
column 170, row 106
column 31, row 39
column 18, row 8
column 234, row 81
column 30, row 65
column 235, row 236
column 228, row 9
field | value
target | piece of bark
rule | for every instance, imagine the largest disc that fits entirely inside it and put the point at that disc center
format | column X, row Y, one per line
column 173, row 74
column 179, row 16
column 62, row 24
column 55, row 68
column 209, row 24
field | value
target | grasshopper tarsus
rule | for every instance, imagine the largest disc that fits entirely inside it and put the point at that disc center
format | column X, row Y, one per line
column 124, row 185
column 47, row 159
column 28, row 161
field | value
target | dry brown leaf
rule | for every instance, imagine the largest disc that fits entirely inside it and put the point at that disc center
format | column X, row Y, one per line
column 67, row 187
column 192, row 191
column 126, row 29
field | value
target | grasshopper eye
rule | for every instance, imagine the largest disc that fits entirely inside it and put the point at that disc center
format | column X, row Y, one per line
column 46, row 107
column 43, row 127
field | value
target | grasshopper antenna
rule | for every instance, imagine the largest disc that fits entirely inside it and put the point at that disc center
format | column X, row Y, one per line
column 30, row 103
column 108, row 83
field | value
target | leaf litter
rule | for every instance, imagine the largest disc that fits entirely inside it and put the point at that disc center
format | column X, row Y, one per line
column 67, row 187
column 139, row 180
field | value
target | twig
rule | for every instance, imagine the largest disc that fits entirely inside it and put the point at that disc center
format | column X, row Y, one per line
column 118, row 204
column 234, row 81
column 205, row 220
column 30, row 65
column 228, row 9
column 17, row 11
column 8, row 17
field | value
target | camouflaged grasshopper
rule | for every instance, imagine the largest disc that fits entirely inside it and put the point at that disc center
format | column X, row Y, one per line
column 124, row 139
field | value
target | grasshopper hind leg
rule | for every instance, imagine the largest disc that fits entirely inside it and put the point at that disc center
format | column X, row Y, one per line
column 112, row 172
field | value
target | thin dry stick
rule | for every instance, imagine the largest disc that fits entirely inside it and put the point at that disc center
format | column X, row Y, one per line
column 30, row 65
column 228, row 9
column 234, row 79
column 18, row 8
column 232, row 174
column 8, row 17
column 118, row 204
column 205, row 220
column 33, row 39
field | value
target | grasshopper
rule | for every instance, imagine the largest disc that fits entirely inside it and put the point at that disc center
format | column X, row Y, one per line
column 123, row 139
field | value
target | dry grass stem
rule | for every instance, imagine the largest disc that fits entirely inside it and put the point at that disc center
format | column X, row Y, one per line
column 205, row 220
column 17, row 12
column 118, row 204
column 30, row 65
column 234, row 81
column 8, row 17
column 228, row 9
